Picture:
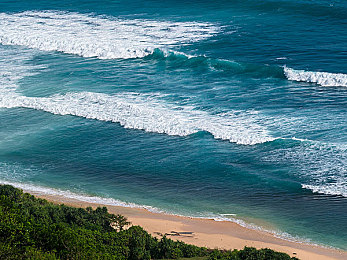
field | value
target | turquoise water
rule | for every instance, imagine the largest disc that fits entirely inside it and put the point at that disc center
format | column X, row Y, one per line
column 232, row 110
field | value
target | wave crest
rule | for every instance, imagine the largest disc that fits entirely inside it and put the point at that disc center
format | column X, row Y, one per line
column 335, row 189
column 146, row 112
column 97, row 36
column 322, row 78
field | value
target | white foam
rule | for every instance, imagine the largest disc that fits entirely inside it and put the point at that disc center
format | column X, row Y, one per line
column 40, row 190
column 322, row 78
column 149, row 113
column 338, row 189
column 13, row 69
column 328, row 175
column 228, row 214
column 320, row 166
column 97, row 36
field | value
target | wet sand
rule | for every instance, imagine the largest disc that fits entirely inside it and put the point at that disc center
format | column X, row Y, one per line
column 206, row 232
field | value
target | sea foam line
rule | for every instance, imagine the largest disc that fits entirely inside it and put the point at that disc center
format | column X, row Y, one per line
column 103, row 37
column 39, row 190
column 322, row 78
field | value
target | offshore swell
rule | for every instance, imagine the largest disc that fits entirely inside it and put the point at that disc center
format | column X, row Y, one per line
column 105, row 38
column 181, row 78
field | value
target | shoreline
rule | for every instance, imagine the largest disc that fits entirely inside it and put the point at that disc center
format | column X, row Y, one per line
column 205, row 232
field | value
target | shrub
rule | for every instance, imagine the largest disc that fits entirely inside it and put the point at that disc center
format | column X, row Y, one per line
column 33, row 228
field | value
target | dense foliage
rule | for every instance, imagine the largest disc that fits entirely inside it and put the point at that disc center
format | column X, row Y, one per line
column 32, row 228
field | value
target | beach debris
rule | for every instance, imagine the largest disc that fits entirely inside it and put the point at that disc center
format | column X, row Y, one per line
column 182, row 234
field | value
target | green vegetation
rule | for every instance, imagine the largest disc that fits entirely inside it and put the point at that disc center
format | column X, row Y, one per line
column 32, row 228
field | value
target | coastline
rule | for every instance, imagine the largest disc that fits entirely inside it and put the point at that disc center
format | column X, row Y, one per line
column 205, row 232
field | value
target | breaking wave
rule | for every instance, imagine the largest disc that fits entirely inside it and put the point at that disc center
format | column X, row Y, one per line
column 147, row 112
column 103, row 37
column 181, row 60
column 322, row 78
column 336, row 189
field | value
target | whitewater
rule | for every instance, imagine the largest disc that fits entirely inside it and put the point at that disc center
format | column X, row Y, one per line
column 97, row 36
column 110, row 38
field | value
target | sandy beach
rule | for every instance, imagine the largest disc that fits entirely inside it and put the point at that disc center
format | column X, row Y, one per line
column 207, row 233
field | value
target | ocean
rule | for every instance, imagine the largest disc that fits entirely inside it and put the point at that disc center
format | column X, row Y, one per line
column 230, row 110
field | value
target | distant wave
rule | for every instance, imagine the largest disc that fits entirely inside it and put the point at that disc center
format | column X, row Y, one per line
column 321, row 78
column 146, row 112
column 178, row 59
column 253, row 70
column 103, row 37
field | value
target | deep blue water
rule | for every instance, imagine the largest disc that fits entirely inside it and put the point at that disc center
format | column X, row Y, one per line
column 198, row 108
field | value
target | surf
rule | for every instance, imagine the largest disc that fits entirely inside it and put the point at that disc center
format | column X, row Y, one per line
column 149, row 113
column 105, row 37
column 325, row 79
column 89, row 35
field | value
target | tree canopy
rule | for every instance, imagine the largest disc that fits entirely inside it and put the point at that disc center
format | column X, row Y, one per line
column 33, row 228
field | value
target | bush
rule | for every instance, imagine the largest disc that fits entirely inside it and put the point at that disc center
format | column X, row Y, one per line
column 33, row 228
